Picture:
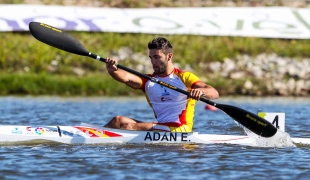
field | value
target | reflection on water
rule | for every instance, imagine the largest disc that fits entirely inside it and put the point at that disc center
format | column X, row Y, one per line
column 139, row 161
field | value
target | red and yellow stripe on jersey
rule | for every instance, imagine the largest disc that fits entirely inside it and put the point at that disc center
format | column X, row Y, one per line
column 172, row 109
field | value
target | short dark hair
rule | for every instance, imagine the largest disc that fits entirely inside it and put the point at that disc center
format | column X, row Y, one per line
column 160, row 43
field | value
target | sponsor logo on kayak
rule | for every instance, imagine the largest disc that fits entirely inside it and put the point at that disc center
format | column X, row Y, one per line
column 16, row 130
column 44, row 131
column 51, row 131
column 39, row 131
column 71, row 133
column 28, row 130
column 166, row 137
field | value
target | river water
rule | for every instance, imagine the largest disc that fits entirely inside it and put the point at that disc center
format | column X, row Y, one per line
column 212, row 161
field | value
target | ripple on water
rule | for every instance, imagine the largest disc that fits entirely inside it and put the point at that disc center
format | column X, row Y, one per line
column 140, row 161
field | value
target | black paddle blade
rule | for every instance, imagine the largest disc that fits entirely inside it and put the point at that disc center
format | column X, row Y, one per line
column 249, row 120
column 56, row 38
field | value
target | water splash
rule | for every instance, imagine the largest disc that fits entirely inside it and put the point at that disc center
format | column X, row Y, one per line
column 280, row 140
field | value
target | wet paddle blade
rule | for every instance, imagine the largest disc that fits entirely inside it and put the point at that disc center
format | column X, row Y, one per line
column 249, row 120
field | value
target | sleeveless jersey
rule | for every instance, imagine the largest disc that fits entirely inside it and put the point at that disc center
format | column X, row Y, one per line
column 170, row 106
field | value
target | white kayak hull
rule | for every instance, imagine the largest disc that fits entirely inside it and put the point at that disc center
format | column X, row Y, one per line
column 90, row 134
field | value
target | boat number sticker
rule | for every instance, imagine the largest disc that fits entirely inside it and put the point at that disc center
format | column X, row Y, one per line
column 276, row 118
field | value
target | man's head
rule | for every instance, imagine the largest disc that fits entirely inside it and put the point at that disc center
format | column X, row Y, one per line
column 160, row 52
column 160, row 43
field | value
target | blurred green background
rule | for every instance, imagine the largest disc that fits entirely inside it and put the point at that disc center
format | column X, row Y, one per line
column 28, row 66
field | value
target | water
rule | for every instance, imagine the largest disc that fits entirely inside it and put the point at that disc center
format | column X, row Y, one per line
column 215, row 161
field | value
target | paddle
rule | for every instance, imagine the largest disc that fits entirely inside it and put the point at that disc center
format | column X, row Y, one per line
column 64, row 41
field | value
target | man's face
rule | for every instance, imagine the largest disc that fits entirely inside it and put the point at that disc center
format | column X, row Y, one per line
column 159, row 60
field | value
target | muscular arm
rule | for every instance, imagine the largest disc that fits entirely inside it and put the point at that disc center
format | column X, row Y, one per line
column 122, row 76
column 205, row 90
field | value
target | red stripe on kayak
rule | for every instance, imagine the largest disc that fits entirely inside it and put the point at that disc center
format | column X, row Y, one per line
column 93, row 132
column 111, row 134
column 229, row 139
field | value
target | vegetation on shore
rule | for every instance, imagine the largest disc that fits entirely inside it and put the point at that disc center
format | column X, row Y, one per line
column 26, row 65
column 21, row 50
column 63, row 85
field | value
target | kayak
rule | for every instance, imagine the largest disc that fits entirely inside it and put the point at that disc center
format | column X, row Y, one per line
column 91, row 134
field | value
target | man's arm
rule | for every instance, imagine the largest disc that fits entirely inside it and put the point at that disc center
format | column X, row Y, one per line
column 205, row 90
column 122, row 76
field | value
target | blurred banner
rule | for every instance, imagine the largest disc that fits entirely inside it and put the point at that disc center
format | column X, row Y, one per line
column 267, row 22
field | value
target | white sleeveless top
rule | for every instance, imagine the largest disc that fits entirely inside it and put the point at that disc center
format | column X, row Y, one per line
column 169, row 105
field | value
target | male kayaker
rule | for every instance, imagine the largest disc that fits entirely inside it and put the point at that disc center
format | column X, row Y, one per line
column 174, row 111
